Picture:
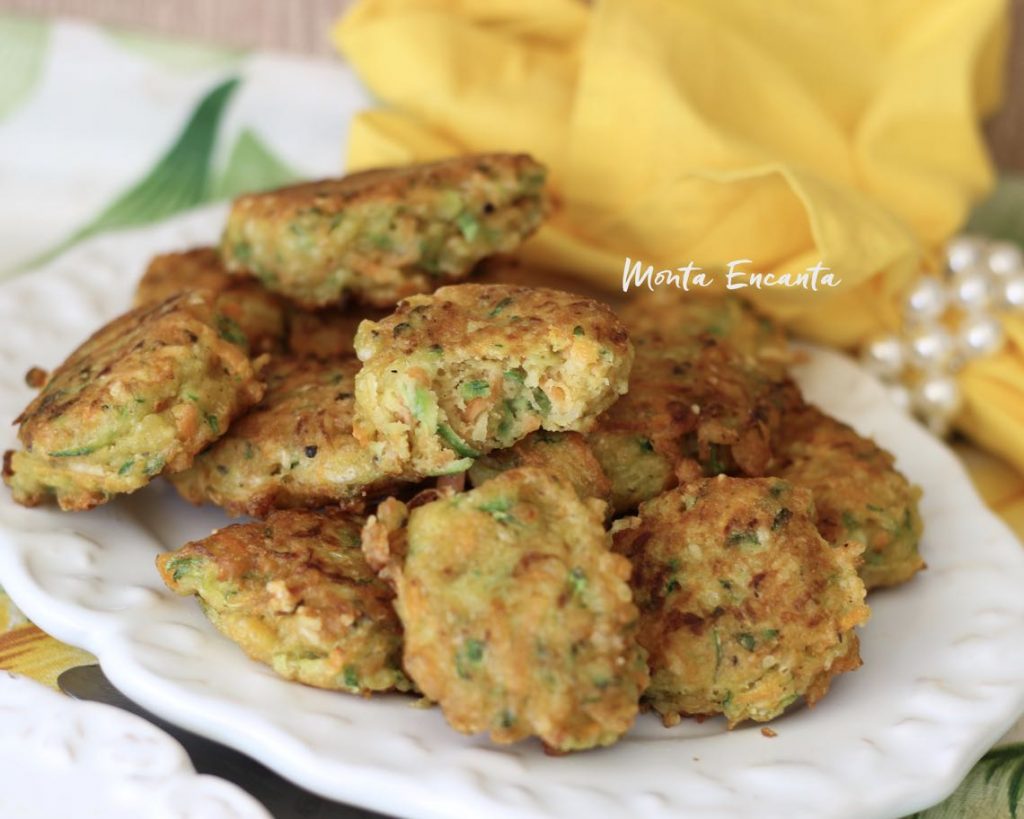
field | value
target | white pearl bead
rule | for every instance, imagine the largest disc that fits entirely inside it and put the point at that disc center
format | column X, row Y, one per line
column 930, row 348
column 937, row 400
column 1005, row 259
column 926, row 301
column 1013, row 292
column 971, row 291
column 900, row 396
column 963, row 252
column 884, row 357
column 979, row 335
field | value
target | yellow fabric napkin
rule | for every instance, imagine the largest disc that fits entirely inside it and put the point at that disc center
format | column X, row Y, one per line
column 679, row 130
column 993, row 390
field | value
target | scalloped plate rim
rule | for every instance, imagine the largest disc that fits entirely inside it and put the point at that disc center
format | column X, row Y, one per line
column 86, row 735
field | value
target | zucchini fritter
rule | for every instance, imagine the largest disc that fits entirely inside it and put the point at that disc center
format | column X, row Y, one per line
column 744, row 607
column 518, row 617
column 295, row 592
column 326, row 334
column 724, row 318
column 689, row 398
column 385, row 234
column 472, row 368
column 859, row 494
column 269, row 322
column 294, row 449
column 140, row 397
column 564, row 453
column 245, row 309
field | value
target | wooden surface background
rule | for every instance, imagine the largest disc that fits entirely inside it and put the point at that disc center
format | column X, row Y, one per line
column 302, row 26
column 289, row 25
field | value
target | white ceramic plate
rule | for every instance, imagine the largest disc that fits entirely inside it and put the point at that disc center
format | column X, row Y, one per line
column 117, row 765
column 943, row 671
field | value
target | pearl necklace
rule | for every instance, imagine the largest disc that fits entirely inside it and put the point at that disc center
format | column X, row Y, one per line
column 948, row 320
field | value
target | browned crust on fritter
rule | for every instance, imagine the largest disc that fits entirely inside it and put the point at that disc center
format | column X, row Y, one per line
column 258, row 313
column 294, row 449
column 379, row 236
column 859, row 493
column 564, row 453
column 518, row 617
column 460, row 316
column 730, row 320
column 296, row 593
column 270, row 322
column 372, row 185
column 328, row 333
column 142, row 395
column 700, row 399
column 744, row 607
column 81, row 378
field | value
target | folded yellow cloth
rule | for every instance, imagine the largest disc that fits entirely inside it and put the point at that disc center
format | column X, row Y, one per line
column 993, row 390
column 678, row 130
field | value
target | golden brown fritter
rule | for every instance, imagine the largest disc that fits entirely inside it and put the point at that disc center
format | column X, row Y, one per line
column 564, row 453
column 140, row 397
column 269, row 322
column 859, row 495
column 295, row 449
column 471, row 368
column 689, row 398
column 511, row 270
column 518, row 617
column 729, row 320
column 385, row 234
column 296, row 593
column 245, row 309
column 744, row 607
column 326, row 334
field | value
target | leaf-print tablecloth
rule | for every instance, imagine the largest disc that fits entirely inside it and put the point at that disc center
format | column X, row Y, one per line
column 101, row 130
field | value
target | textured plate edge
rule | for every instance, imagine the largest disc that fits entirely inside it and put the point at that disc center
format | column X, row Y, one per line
column 69, row 724
column 1014, row 708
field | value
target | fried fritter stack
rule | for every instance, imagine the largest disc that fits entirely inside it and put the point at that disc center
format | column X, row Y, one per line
column 657, row 520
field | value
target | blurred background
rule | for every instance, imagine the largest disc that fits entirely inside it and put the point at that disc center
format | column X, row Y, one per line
column 290, row 25
column 302, row 26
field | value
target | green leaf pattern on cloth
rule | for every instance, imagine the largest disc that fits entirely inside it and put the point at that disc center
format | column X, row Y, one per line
column 1001, row 216
column 252, row 167
column 21, row 60
column 992, row 790
column 183, row 177
column 178, row 181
